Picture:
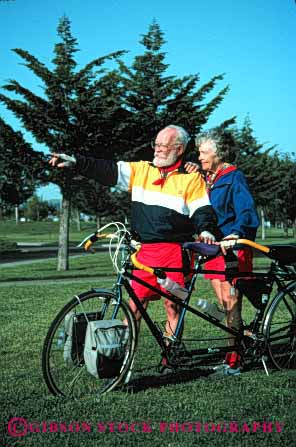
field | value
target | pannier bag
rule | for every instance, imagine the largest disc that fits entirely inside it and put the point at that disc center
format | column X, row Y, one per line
column 75, row 330
column 105, row 347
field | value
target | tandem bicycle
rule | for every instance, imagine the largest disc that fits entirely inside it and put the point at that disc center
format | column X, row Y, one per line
column 268, row 336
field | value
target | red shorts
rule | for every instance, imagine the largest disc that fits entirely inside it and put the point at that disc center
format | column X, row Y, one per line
column 245, row 258
column 160, row 254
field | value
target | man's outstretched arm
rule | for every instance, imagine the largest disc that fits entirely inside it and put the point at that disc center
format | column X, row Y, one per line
column 104, row 171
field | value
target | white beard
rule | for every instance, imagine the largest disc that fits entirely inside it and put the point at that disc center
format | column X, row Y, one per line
column 165, row 162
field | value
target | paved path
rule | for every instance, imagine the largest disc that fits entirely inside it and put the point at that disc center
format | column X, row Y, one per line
column 39, row 253
column 95, row 280
column 30, row 261
column 42, row 282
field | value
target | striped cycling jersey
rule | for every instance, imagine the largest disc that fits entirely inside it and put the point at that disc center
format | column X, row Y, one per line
column 173, row 212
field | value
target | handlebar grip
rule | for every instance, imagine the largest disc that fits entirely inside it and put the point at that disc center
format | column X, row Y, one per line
column 90, row 241
column 138, row 264
column 259, row 247
column 87, row 245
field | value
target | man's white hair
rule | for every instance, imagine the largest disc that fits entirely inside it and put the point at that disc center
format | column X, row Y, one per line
column 182, row 135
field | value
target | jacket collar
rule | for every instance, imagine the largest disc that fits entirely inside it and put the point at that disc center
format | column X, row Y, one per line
column 212, row 178
column 163, row 172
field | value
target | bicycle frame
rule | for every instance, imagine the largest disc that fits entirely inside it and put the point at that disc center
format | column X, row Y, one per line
column 123, row 281
column 242, row 338
column 268, row 333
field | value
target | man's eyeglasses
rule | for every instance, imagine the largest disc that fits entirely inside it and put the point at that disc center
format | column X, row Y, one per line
column 155, row 145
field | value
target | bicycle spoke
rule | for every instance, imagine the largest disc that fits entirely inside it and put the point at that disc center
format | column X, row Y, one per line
column 63, row 363
column 280, row 329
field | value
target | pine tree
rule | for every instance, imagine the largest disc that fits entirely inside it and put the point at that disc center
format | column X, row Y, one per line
column 73, row 116
column 156, row 99
column 21, row 168
column 110, row 203
column 285, row 199
column 262, row 169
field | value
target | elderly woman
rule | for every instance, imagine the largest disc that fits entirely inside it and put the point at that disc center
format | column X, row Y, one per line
column 237, row 218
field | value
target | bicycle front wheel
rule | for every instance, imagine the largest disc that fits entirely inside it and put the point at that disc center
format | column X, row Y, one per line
column 279, row 327
column 63, row 364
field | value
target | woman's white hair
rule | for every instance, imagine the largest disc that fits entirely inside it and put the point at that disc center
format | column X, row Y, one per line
column 222, row 142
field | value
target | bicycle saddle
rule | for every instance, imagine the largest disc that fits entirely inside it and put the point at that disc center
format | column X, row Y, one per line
column 202, row 248
column 284, row 254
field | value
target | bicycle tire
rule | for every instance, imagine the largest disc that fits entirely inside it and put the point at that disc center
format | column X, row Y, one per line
column 73, row 380
column 279, row 328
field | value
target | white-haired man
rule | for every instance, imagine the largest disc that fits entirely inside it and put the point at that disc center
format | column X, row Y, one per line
column 169, row 206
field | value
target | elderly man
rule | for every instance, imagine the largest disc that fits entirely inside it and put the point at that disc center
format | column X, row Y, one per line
column 169, row 206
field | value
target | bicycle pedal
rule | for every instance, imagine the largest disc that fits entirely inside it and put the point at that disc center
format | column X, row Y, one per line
column 249, row 333
column 166, row 370
column 165, row 367
column 169, row 337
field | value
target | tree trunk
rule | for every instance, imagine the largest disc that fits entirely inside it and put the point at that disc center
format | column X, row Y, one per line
column 63, row 253
column 286, row 229
column 262, row 224
column 98, row 220
column 294, row 229
column 16, row 214
column 77, row 212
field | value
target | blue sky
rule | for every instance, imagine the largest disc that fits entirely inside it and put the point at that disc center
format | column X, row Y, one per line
column 252, row 41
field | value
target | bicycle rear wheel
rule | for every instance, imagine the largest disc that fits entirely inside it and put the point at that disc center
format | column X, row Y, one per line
column 279, row 327
column 63, row 365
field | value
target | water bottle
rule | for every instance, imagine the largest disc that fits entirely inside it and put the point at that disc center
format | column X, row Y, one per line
column 211, row 309
column 61, row 338
column 173, row 287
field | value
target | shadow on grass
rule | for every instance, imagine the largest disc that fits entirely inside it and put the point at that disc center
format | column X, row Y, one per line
column 168, row 378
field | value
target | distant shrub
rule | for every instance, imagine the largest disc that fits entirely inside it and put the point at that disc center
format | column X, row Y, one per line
column 7, row 245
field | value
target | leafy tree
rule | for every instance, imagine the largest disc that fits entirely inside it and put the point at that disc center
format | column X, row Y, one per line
column 285, row 199
column 260, row 167
column 71, row 116
column 37, row 209
column 20, row 167
column 263, row 170
column 81, row 111
column 113, row 204
column 156, row 99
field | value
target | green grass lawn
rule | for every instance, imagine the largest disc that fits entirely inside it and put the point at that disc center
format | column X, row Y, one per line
column 85, row 266
column 155, row 404
column 48, row 232
column 88, row 265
